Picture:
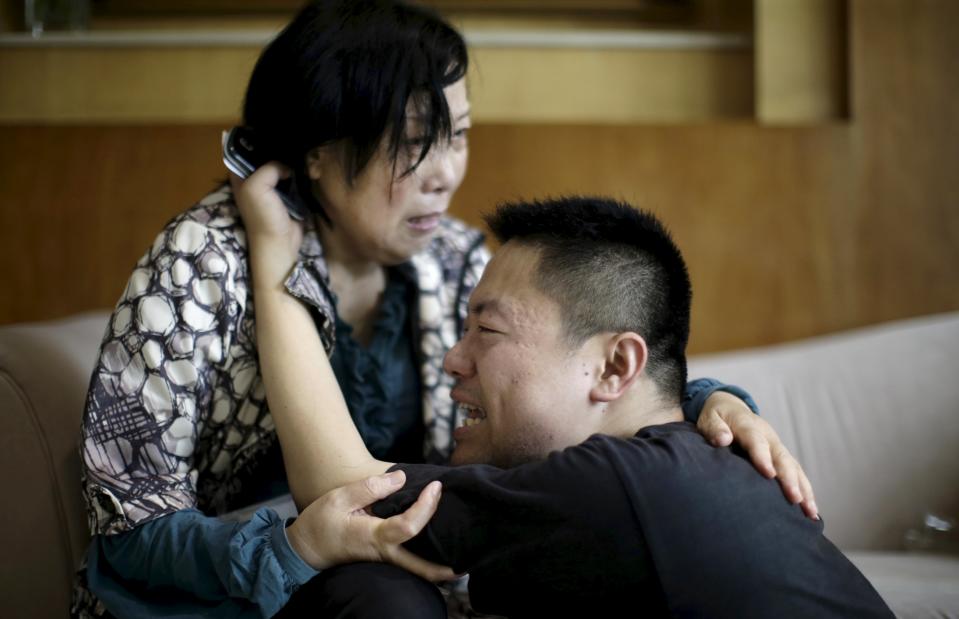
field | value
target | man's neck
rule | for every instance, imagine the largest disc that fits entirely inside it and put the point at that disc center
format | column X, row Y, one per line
column 669, row 414
column 627, row 417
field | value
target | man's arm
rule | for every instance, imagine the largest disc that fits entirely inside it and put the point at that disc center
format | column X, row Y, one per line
column 551, row 537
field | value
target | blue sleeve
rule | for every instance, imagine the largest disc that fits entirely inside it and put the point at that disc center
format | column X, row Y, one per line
column 697, row 391
column 197, row 560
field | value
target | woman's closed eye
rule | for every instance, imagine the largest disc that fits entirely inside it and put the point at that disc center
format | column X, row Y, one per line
column 415, row 142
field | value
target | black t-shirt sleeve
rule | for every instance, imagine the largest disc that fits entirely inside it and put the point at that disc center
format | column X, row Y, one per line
column 557, row 535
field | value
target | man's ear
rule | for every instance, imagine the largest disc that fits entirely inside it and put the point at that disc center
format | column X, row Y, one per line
column 624, row 362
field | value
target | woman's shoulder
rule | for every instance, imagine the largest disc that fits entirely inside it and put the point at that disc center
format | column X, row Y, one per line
column 214, row 219
column 207, row 237
column 456, row 236
column 216, row 211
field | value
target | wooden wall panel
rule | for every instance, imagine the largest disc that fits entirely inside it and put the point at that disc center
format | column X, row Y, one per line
column 205, row 85
column 611, row 86
column 789, row 231
column 906, row 147
column 749, row 207
column 146, row 85
column 79, row 205
column 800, row 61
column 766, row 217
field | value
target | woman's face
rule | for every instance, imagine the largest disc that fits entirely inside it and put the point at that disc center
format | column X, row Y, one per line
column 384, row 219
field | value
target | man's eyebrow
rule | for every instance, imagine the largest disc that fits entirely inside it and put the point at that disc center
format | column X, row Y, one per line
column 463, row 115
column 488, row 305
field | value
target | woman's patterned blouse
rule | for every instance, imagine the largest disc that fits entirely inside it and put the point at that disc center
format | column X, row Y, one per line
column 177, row 408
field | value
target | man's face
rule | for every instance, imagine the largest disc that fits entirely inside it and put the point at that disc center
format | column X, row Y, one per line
column 530, row 391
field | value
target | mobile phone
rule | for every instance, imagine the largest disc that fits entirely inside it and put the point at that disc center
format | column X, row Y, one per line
column 242, row 157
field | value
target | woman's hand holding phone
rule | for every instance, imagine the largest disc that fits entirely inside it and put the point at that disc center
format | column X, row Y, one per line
column 242, row 156
column 274, row 238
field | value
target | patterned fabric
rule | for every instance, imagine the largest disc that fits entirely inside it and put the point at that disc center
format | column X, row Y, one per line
column 176, row 409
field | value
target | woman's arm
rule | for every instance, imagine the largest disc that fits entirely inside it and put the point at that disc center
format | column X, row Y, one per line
column 173, row 336
column 203, row 558
column 322, row 449
column 725, row 414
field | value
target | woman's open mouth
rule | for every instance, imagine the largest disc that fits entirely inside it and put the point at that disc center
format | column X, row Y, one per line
column 424, row 223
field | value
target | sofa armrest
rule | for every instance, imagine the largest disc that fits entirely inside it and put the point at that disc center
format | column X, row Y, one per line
column 44, row 374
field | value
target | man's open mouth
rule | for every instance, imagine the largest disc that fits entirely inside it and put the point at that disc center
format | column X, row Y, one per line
column 472, row 415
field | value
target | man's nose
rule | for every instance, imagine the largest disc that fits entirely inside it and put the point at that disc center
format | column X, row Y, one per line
column 455, row 363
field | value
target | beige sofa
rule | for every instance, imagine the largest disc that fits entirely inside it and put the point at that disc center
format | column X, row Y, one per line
column 873, row 415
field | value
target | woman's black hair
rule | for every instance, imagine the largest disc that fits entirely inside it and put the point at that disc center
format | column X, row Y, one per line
column 342, row 72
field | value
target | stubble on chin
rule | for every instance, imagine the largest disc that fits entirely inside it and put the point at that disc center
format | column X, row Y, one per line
column 463, row 455
column 531, row 446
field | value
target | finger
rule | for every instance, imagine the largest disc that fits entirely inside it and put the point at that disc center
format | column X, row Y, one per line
column 268, row 175
column 760, row 452
column 360, row 494
column 282, row 170
column 809, row 498
column 714, row 428
column 787, row 472
column 407, row 525
column 427, row 570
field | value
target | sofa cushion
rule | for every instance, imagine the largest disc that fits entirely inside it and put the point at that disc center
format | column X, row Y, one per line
column 872, row 415
column 916, row 586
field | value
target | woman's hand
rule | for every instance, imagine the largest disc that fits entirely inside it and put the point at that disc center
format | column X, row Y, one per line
column 274, row 237
column 336, row 528
column 726, row 418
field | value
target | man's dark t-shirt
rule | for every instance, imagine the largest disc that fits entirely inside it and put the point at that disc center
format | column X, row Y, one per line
column 660, row 524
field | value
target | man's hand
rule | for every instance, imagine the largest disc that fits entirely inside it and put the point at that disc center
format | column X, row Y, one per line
column 336, row 529
column 726, row 418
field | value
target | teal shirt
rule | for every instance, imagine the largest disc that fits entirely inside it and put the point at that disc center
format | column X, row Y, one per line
column 381, row 381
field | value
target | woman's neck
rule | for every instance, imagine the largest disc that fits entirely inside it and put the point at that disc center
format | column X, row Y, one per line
column 358, row 284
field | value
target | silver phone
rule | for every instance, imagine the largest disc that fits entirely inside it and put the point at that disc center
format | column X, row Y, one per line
column 241, row 156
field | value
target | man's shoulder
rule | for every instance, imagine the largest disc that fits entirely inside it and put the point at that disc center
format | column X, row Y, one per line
column 664, row 445
column 674, row 462
column 723, row 538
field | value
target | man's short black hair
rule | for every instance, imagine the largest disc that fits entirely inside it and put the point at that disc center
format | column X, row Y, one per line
column 611, row 268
